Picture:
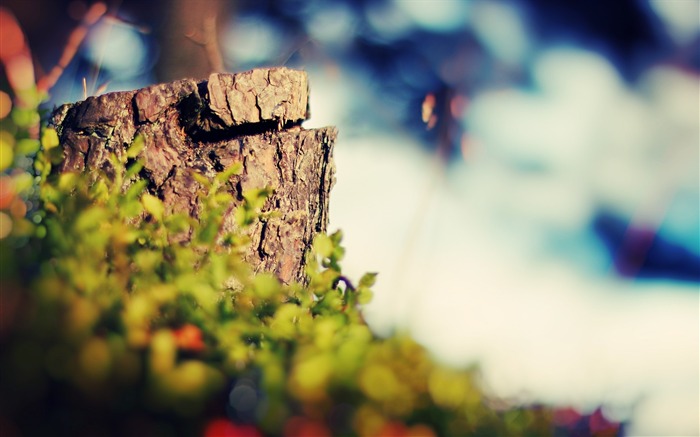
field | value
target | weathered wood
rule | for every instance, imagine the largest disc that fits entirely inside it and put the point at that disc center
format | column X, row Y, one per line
column 205, row 126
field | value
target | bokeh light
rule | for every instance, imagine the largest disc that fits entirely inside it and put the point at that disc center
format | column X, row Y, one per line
column 117, row 47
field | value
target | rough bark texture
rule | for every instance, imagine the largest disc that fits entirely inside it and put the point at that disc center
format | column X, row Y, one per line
column 206, row 126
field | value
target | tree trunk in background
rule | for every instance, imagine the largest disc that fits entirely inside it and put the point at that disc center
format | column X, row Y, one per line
column 205, row 126
column 187, row 26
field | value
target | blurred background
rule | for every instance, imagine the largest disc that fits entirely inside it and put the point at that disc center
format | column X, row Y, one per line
column 523, row 174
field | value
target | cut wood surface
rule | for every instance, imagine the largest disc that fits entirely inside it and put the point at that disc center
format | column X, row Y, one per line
column 205, row 126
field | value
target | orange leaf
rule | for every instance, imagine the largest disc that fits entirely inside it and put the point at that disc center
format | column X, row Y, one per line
column 189, row 337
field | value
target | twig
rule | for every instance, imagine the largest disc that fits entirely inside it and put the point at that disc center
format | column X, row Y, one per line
column 75, row 39
column 208, row 39
column 346, row 281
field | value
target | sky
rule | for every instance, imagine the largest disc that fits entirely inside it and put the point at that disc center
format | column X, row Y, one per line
column 486, row 264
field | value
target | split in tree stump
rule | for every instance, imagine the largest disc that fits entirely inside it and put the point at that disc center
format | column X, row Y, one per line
column 205, row 126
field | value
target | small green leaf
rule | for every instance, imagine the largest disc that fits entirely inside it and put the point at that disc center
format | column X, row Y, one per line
column 204, row 294
column 49, row 138
column 338, row 252
column 323, row 245
column 130, row 209
column 232, row 169
column 265, row 285
column 255, row 198
column 99, row 190
column 25, row 117
column 22, row 181
column 203, row 180
column 27, row 146
column 364, row 295
column 133, row 169
column 42, row 165
column 67, row 182
column 223, row 198
column 178, row 222
column 368, row 280
column 337, row 237
column 153, row 206
column 136, row 147
column 90, row 219
column 6, row 155
column 135, row 190
column 285, row 319
column 325, row 280
column 241, row 217
column 208, row 232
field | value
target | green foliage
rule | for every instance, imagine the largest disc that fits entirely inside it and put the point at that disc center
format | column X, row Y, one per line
column 111, row 327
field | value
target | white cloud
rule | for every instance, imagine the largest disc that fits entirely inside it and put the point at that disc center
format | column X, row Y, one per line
column 682, row 17
column 435, row 15
column 540, row 329
column 463, row 266
column 500, row 27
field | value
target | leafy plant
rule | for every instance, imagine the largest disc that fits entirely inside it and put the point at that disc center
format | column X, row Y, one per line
column 109, row 327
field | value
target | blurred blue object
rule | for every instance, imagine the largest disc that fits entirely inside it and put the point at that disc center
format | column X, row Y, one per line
column 644, row 253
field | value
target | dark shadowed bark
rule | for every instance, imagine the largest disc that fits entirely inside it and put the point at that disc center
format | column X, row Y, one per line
column 205, row 126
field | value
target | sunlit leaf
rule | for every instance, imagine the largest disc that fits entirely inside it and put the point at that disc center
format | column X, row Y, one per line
column 323, row 245
column 136, row 147
column 310, row 377
column 99, row 190
column 234, row 169
column 133, row 169
column 49, row 138
column 364, row 295
column 208, row 232
column 27, row 146
column 163, row 351
column 368, row 280
column 265, row 285
column 6, row 155
column 67, row 182
column 135, row 190
column 91, row 219
column 153, row 206
column 25, row 117
column 201, row 179
column 22, row 182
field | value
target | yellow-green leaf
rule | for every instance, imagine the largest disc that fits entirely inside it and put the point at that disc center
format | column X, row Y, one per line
column 6, row 155
column 49, row 138
column 136, row 147
column 27, row 146
column 23, row 181
column 153, row 205
column 265, row 285
column 368, row 280
column 323, row 245
column 233, row 169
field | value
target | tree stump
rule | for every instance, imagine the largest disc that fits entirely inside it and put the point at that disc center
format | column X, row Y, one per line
column 205, row 126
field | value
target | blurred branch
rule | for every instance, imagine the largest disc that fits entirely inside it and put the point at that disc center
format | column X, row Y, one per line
column 189, row 27
column 210, row 41
column 76, row 38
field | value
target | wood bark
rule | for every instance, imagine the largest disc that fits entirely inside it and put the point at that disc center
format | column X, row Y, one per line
column 205, row 126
